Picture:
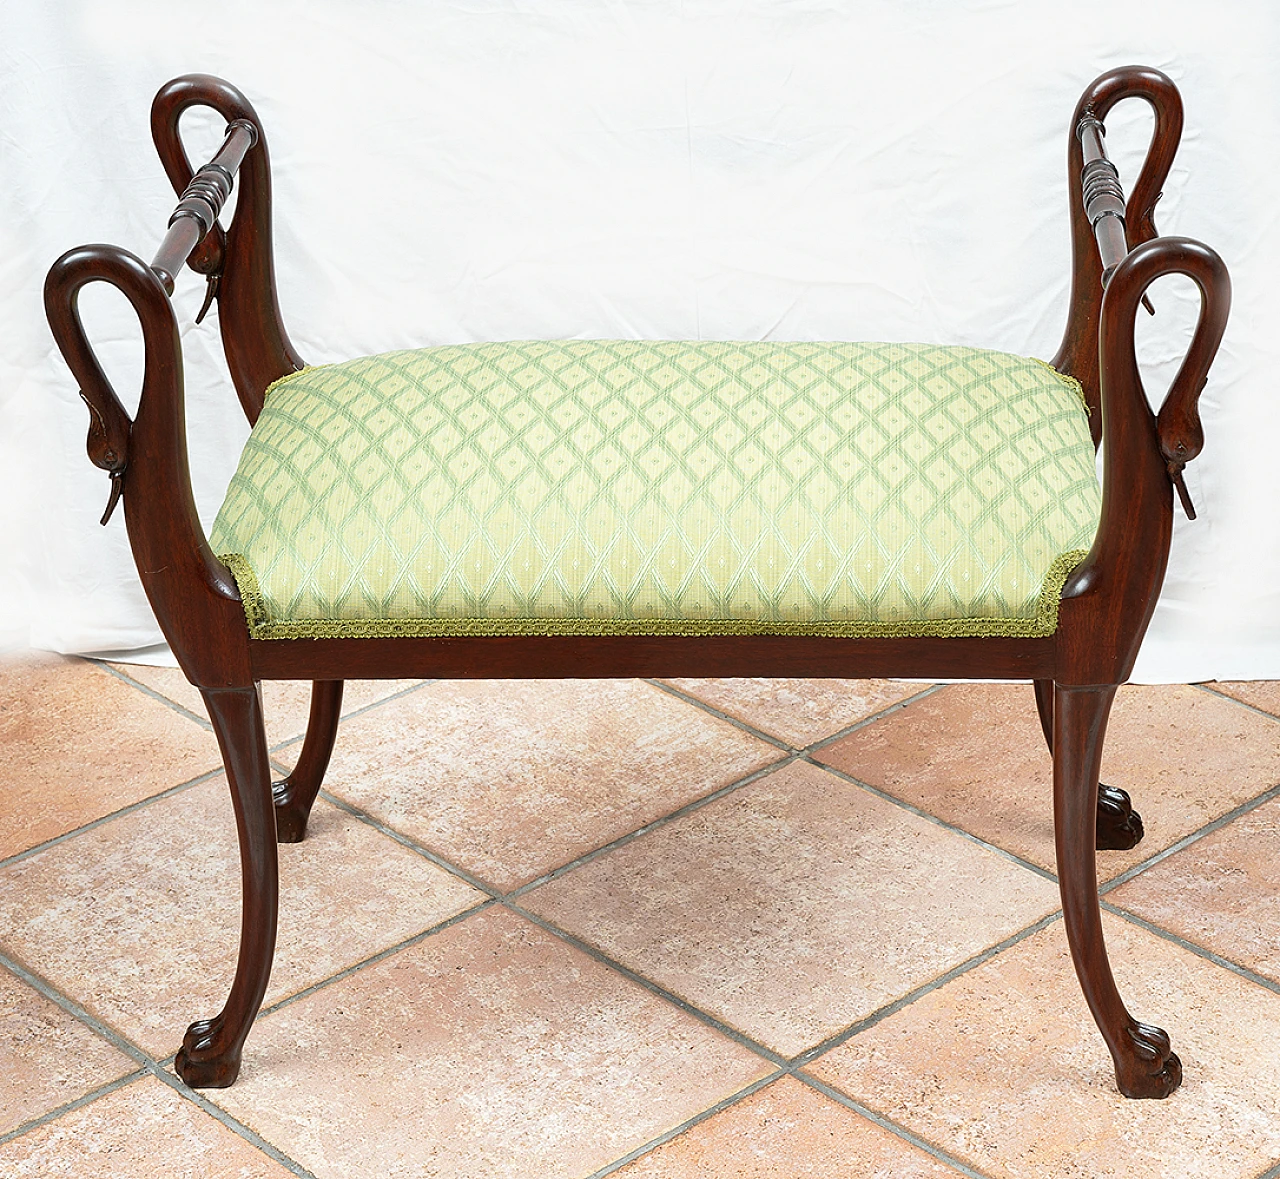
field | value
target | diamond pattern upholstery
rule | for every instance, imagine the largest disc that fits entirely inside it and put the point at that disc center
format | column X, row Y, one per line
column 682, row 487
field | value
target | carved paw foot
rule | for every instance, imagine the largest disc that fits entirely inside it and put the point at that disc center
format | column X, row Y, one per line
column 291, row 817
column 1154, row 1069
column 201, row 1062
column 1119, row 825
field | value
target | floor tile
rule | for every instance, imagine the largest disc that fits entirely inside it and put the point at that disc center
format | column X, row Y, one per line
column 1004, row 1068
column 79, row 744
column 796, row 905
column 1263, row 694
column 973, row 755
column 142, row 1129
column 47, row 1057
column 512, row 779
column 490, row 1049
column 786, row 1129
column 799, row 712
column 286, row 704
column 138, row 919
column 1222, row 892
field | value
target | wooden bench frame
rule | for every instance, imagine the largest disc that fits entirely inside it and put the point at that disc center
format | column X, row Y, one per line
column 1105, row 606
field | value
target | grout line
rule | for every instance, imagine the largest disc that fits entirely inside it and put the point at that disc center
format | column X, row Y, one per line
column 923, row 814
column 71, row 1007
column 1271, row 716
column 689, row 1124
column 232, row 1123
column 149, row 1064
column 687, row 809
column 1200, row 951
column 778, row 741
column 937, row 1152
column 896, row 706
column 747, row 728
column 346, row 716
column 1187, row 840
column 412, row 844
column 414, row 687
column 1271, row 1173
column 346, row 972
column 493, row 890
column 71, row 1106
column 124, row 810
column 658, row 989
column 203, row 722
column 881, row 1013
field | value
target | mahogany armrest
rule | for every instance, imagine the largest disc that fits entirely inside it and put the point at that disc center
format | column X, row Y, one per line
column 191, row 591
column 1175, row 434
column 193, row 594
column 1088, row 188
column 239, row 263
column 1108, row 601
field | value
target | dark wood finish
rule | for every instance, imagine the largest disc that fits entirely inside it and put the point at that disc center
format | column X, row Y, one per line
column 241, row 260
column 295, row 795
column 210, row 1053
column 1078, row 353
column 201, row 202
column 1105, row 608
column 192, row 593
column 1145, row 1064
column 604, row 656
column 1102, row 195
column 1118, row 827
column 1044, row 708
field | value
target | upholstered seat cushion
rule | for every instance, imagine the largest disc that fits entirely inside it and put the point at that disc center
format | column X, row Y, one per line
column 685, row 487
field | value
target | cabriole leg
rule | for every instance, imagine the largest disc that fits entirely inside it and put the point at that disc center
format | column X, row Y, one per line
column 295, row 794
column 1119, row 826
column 210, row 1054
column 1145, row 1064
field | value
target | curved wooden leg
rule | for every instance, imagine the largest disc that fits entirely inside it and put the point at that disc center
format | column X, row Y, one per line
column 210, row 1054
column 1119, row 826
column 1044, row 706
column 1145, row 1064
column 295, row 794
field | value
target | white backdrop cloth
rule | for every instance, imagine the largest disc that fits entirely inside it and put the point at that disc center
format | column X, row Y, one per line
column 497, row 169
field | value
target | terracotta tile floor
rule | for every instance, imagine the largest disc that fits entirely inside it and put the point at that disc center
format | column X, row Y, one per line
column 706, row 928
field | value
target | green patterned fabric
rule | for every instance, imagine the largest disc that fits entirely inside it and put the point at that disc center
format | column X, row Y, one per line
column 683, row 487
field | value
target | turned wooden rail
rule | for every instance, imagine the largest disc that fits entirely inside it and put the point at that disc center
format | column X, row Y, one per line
column 200, row 205
column 1102, row 194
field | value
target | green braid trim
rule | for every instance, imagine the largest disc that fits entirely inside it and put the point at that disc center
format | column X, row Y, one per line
column 1070, row 382
column 261, row 626
column 306, row 368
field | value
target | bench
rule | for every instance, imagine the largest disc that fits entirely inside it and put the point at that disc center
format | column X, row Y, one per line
column 580, row 508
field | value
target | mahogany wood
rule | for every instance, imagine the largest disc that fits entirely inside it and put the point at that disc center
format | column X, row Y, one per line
column 584, row 657
column 295, row 794
column 210, row 1053
column 1104, row 612
column 1102, row 195
column 202, row 201
column 1145, row 1064
column 240, row 261
column 1078, row 352
column 1117, row 826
